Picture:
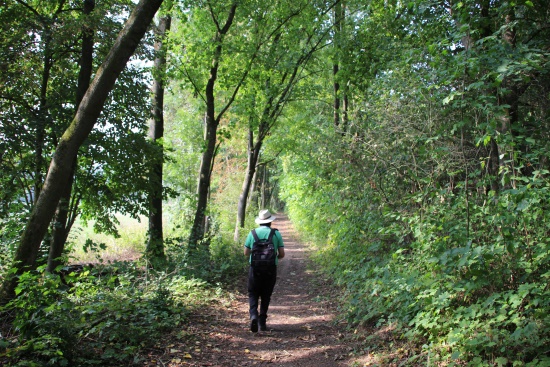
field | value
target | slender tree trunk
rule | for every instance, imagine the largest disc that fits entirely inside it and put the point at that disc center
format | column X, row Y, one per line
column 155, row 245
column 212, row 122
column 336, row 96
column 510, row 116
column 62, row 222
column 264, row 195
column 253, row 192
column 197, row 231
column 469, row 42
column 345, row 108
column 494, row 153
column 253, row 156
column 65, row 153
column 42, row 120
column 338, row 17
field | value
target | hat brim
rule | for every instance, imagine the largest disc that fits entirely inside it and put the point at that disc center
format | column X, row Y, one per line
column 265, row 221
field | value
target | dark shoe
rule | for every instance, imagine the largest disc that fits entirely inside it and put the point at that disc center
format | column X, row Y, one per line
column 263, row 326
column 254, row 324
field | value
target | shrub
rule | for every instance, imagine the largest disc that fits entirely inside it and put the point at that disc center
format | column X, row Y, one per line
column 106, row 316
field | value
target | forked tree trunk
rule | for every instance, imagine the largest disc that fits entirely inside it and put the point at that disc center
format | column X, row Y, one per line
column 65, row 153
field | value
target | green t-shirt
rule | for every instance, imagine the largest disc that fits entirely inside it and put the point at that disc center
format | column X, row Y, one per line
column 263, row 233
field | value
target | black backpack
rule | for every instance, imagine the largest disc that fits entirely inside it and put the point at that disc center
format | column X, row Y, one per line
column 263, row 251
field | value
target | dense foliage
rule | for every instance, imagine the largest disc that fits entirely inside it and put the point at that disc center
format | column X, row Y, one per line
column 108, row 316
column 38, row 102
column 435, row 200
column 408, row 141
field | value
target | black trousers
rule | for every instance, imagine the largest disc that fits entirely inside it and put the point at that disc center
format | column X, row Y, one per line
column 260, row 287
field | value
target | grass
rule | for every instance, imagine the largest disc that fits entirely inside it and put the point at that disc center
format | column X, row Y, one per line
column 129, row 246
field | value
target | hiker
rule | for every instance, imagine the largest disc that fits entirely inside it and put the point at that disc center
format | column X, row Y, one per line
column 262, row 273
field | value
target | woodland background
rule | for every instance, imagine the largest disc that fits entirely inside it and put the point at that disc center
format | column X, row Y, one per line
column 407, row 140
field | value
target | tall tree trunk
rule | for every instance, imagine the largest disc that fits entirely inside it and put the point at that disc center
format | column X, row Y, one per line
column 253, row 192
column 43, row 112
column 212, row 121
column 510, row 116
column 469, row 42
column 264, row 187
column 155, row 246
column 336, row 86
column 65, row 153
column 338, row 19
column 253, row 156
column 207, row 161
column 63, row 222
column 494, row 153
column 43, row 115
column 345, row 108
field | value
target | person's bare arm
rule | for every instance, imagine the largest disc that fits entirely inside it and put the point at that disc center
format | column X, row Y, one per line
column 281, row 252
column 246, row 251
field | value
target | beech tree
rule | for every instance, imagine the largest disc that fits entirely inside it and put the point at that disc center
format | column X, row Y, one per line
column 83, row 122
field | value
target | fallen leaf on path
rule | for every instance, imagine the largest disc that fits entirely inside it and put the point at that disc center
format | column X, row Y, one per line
column 308, row 338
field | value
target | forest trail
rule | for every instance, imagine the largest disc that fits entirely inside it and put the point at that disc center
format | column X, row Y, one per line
column 301, row 328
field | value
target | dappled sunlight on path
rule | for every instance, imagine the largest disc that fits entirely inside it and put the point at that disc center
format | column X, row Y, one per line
column 301, row 327
column 300, row 330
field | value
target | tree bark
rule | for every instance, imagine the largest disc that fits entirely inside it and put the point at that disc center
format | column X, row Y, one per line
column 338, row 17
column 67, row 148
column 511, row 114
column 264, row 187
column 253, row 156
column 212, row 122
column 253, row 192
column 155, row 246
column 336, row 86
column 42, row 116
column 63, row 222
column 43, row 111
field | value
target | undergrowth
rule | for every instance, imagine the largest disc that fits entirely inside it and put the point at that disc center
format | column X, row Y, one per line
column 465, row 280
column 461, row 276
column 110, row 315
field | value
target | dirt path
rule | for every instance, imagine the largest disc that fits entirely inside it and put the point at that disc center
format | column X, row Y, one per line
column 301, row 331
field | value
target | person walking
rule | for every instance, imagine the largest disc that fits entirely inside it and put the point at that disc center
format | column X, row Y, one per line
column 262, row 275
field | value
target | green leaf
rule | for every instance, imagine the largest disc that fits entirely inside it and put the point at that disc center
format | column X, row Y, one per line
column 501, row 361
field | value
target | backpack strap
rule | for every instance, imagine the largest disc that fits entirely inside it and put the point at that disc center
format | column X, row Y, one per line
column 271, row 234
column 269, row 238
column 255, row 235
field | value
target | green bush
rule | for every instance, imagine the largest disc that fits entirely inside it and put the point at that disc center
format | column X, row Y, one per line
column 462, row 274
column 103, row 317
